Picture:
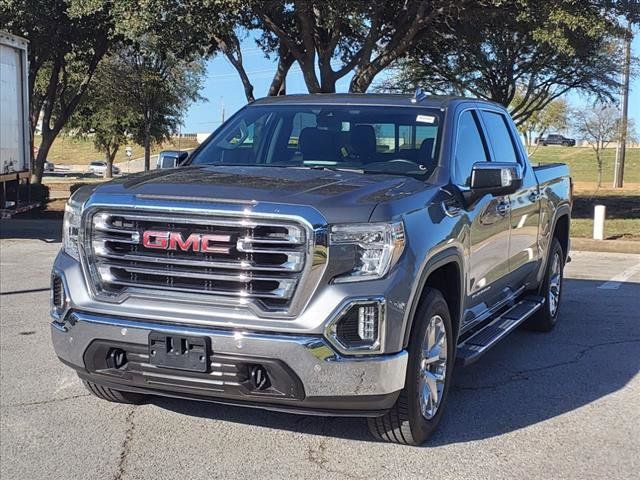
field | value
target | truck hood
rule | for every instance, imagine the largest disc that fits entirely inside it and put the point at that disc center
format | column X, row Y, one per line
column 340, row 196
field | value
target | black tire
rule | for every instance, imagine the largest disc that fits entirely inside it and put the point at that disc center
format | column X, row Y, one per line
column 404, row 423
column 545, row 319
column 111, row 395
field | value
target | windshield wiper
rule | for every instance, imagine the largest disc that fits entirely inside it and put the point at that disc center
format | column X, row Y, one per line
column 332, row 168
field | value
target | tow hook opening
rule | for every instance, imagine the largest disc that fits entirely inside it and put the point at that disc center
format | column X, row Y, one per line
column 258, row 377
column 116, row 358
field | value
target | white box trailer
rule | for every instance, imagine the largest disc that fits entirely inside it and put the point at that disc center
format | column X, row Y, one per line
column 15, row 155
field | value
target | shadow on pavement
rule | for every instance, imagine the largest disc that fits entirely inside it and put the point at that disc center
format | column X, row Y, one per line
column 527, row 379
column 45, row 226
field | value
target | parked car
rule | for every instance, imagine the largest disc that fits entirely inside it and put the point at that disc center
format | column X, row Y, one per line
column 556, row 139
column 344, row 273
column 99, row 167
column 48, row 166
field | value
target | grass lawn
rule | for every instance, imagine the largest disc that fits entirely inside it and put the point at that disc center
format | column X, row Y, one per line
column 622, row 213
column 619, row 228
column 582, row 162
column 623, row 206
column 80, row 151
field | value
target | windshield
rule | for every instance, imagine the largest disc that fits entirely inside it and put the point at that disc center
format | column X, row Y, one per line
column 369, row 139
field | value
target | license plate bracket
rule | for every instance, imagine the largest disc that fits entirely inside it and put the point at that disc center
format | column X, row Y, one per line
column 179, row 351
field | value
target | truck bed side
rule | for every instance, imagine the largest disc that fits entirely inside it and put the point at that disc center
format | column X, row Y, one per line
column 555, row 204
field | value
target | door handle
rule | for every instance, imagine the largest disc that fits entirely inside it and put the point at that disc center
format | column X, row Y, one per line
column 503, row 208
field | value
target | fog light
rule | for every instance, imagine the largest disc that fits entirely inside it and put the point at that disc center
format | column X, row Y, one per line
column 358, row 327
column 367, row 322
column 58, row 298
column 57, row 293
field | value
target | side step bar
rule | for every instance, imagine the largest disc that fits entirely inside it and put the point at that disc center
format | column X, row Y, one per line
column 473, row 347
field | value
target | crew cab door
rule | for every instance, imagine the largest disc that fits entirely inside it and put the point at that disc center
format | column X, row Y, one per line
column 488, row 224
column 523, row 204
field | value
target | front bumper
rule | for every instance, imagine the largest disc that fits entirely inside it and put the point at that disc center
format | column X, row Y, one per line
column 319, row 380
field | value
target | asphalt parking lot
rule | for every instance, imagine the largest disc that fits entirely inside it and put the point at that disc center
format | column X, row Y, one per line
column 558, row 405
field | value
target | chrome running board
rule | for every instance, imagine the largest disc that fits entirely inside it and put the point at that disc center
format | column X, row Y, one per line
column 476, row 345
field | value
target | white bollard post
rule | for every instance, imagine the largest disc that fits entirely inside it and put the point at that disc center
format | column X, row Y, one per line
column 598, row 222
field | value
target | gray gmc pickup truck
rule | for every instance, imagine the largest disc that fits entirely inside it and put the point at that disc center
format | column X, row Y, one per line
column 324, row 254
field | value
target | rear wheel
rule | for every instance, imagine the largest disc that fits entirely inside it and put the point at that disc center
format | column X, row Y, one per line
column 546, row 318
column 111, row 395
column 418, row 410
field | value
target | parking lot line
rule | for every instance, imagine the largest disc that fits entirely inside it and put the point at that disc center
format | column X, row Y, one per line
column 615, row 282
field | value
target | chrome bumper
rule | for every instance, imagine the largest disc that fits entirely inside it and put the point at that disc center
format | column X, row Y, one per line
column 321, row 370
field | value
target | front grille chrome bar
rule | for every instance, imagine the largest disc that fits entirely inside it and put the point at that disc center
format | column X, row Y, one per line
column 258, row 260
column 294, row 262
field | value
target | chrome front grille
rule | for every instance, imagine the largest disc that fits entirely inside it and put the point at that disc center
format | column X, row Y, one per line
column 238, row 260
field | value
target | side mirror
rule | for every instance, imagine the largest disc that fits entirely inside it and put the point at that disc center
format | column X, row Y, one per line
column 181, row 158
column 494, row 178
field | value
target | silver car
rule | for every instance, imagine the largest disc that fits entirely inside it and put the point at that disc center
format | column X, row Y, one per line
column 99, row 168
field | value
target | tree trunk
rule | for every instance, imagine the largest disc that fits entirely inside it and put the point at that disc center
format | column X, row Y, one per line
column 43, row 152
column 278, row 84
column 246, row 83
column 327, row 76
column 309, row 75
column 147, row 152
column 110, row 156
column 361, row 80
column 231, row 49
column 599, row 160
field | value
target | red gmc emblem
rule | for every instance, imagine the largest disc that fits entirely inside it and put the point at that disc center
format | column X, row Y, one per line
column 195, row 242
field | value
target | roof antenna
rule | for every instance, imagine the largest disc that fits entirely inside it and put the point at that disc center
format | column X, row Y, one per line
column 418, row 96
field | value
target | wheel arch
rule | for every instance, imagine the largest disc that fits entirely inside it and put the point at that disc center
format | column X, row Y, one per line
column 443, row 271
column 560, row 230
column 561, row 226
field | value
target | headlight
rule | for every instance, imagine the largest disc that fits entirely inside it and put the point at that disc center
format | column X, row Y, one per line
column 71, row 224
column 70, row 229
column 377, row 246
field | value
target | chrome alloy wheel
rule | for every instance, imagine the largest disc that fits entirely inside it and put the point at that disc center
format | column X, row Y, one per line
column 555, row 284
column 433, row 367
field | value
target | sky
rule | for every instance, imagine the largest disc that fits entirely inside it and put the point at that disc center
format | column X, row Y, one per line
column 222, row 87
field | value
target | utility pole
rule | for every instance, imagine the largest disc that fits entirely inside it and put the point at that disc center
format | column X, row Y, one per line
column 222, row 109
column 618, row 173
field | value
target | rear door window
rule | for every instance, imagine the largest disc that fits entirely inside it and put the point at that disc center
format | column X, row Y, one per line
column 500, row 137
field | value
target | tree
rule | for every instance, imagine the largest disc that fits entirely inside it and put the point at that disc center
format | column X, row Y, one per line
column 105, row 116
column 158, row 86
column 328, row 39
column 67, row 40
column 360, row 37
column 539, row 49
column 599, row 125
column 554, row 116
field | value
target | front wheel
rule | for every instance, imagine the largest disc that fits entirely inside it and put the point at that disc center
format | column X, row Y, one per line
column 418, row 410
